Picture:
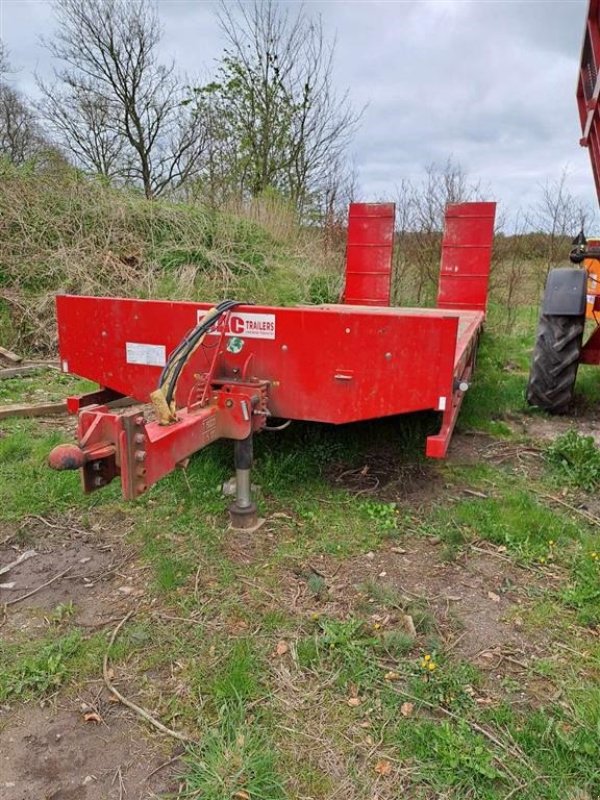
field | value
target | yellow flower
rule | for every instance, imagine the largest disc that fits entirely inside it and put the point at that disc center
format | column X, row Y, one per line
column 431, row 666
column 427, row 658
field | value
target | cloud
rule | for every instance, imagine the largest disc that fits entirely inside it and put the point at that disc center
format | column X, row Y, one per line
column 490, row 83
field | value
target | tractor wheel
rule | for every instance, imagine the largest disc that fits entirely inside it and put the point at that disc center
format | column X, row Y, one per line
column 555, row 362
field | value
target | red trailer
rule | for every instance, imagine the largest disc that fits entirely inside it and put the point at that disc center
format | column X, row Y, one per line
column 228, row 371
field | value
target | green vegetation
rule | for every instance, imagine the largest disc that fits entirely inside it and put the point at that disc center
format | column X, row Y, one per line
column 67, row 232
column 34, row 669
column 338, row 637
column 576, row 459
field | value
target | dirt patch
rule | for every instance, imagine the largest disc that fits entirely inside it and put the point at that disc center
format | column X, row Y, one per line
column 473, row 601
column 545, row 427
column 52, row 752
column 245, row 548
column 87, row 571
column 382, row 476
column 56, row 755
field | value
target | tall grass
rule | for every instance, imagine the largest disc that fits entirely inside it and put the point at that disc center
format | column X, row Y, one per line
column 61, row 231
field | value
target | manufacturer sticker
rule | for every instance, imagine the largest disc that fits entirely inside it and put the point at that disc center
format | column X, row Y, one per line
column 152, row 355
column 245, row 325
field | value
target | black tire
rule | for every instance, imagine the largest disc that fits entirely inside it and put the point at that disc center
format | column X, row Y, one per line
column 555, row 361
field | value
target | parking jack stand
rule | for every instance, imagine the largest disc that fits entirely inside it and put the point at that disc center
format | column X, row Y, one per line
column 242, row 512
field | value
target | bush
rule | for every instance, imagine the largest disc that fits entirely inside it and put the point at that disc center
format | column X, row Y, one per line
column 577, row 459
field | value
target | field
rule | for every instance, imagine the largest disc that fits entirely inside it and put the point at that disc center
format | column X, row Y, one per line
column 397, row 628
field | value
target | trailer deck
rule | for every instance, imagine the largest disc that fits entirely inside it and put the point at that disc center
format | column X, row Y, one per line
column 336, row 363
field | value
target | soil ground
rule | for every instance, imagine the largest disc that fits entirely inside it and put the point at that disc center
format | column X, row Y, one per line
column 77, row 742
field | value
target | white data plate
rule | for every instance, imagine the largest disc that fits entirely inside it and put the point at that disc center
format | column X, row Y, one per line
column 152, row 355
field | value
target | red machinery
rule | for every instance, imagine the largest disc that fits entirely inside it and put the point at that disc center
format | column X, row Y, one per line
column 223, row 372
column 572, row 294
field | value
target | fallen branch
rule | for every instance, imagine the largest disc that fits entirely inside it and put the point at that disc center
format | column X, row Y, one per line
column 585, row 514
column 513, row 751
column 36, row 410
column 162, row 766
column 22, row 371
column 10, row 356
column 38, row 588
column 23, row 557
column 129, row 703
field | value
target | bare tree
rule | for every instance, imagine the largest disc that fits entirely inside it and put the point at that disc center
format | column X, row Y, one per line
column 277, row 110
column 20, row 137
column 422, row 206
column 560, row 216
column 116, row 108
column 82, row 120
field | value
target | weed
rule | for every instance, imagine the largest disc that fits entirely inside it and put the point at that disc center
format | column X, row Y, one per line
column 383, row 594
column 62, row 612
column 345, row 646
column 396, row 644
column 39, row 669
column 583, row 590
column 576, row 459
column 383, row 514
column 236, row 759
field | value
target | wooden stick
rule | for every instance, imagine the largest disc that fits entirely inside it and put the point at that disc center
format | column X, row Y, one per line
column 129, row 703
column 23, row 557
column 17, row 372
column 36, row 410
column 10, row 356
column 39, row 588
column 585, row 514
column 515, row 752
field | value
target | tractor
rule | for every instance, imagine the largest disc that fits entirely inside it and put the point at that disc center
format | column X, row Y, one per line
column 572, row 294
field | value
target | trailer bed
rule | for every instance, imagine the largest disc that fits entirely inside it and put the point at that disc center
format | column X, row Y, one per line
column 222, row 372
column 469, row 322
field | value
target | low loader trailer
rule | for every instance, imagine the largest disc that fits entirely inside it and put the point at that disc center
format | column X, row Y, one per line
column 232, row 370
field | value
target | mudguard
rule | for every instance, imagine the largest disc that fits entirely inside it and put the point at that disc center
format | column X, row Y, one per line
column 565, row 293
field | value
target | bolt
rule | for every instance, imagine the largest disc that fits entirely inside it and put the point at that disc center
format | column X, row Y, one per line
column 140, row 455
column 98, row 480
column 139, row 438
column 96, row 466
column 388, row 356
column 284, row 347
column 140, row 488
column 229, row 404
column 139, row 421
column 140, row 471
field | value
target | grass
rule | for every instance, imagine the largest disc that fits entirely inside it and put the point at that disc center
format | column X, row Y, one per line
column 256, row 715
column 33, row 669
column 43, row 386
column 64, row 231
column 290, row 664
column 576, row 460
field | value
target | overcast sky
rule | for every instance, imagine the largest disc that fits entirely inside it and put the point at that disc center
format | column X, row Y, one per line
column 489, row 82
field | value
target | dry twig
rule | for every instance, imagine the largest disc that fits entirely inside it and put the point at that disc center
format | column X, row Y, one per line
column 129, row 703
column 38, row 588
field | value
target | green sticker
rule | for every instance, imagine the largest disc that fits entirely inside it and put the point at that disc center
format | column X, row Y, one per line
column 235, row 344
